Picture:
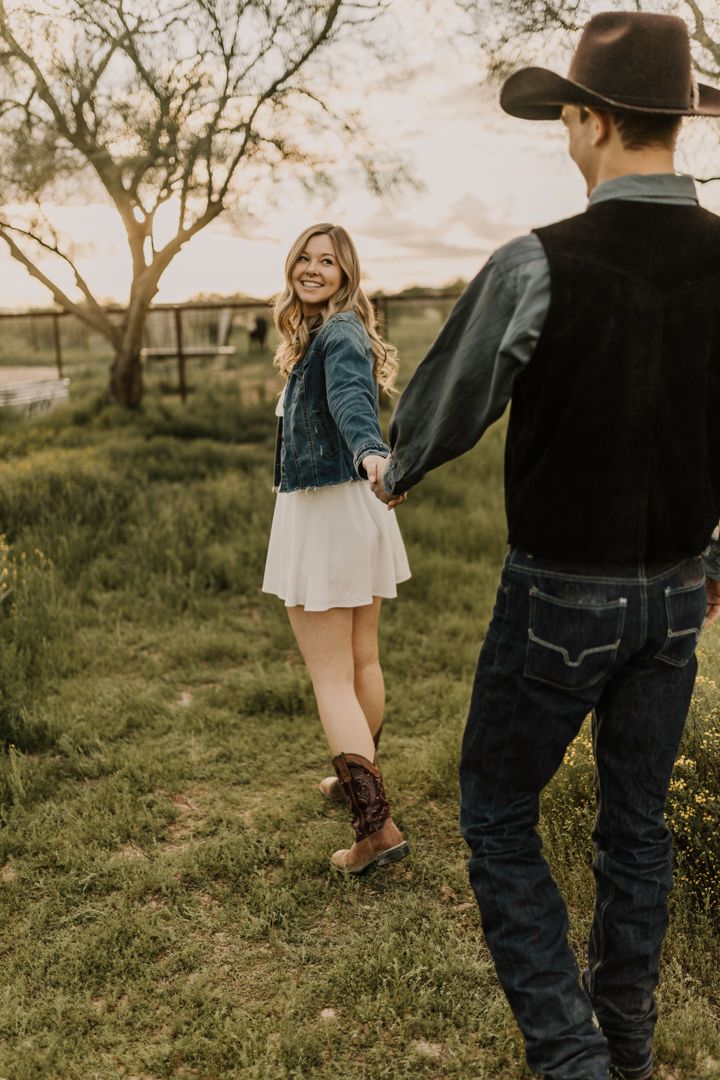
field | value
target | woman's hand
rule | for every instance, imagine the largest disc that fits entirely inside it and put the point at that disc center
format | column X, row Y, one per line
column 375, row 467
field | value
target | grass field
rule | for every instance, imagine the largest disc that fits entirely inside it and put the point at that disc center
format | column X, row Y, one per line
column 167, row 909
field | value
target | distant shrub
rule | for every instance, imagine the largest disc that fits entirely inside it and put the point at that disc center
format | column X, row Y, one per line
column 54, row 491
column 217, row 413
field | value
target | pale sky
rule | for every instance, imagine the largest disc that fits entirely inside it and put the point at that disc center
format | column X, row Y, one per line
column 485, row 178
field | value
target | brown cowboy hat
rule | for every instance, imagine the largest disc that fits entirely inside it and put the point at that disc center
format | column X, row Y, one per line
column 624, row 60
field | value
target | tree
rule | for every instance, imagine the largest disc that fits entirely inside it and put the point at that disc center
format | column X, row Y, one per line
column 186, row 103
column 519, row 32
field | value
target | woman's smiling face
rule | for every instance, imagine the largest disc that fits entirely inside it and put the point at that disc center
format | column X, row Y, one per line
column 316, row 276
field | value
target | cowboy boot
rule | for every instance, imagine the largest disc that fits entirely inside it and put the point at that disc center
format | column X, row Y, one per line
column 330, row 786
column 378, row 840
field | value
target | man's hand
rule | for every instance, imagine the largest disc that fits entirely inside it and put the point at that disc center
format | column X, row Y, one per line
column 375, row 467
column 713, row 601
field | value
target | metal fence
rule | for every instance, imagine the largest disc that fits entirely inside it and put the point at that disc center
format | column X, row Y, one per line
column 61, row 338
column 221, row 336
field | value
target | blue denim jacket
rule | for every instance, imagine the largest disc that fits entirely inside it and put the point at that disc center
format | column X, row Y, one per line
column 330, row 420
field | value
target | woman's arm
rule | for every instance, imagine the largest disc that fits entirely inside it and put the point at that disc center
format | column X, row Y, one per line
column 351, row 389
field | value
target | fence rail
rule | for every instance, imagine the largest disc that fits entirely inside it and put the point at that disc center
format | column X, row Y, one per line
column 239, row 333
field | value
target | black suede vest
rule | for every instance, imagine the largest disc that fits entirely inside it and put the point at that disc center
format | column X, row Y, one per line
column 613, row 448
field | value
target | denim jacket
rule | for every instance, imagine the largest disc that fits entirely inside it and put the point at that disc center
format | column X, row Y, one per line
column 330, row 420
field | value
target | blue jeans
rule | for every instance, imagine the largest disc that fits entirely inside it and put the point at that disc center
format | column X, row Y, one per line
column 564, row 640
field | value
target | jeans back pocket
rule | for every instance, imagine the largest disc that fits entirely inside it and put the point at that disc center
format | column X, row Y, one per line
column 685, row 609
column 572, row 644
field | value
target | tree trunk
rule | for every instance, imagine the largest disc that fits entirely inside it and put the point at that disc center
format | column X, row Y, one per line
column 126, row 382
column 126, row 385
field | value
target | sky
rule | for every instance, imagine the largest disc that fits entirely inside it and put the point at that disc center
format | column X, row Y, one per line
column 483, row 178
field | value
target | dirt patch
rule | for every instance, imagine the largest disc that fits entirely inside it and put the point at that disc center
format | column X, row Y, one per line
column 131, row 851
column 179, row 832
column 256, row 802
column 426, row 1049
column 185, row 805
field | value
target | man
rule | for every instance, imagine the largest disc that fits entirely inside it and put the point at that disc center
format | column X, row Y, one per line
column 604, row 330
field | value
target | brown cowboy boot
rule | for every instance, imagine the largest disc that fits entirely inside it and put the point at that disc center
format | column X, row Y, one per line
column 330, row 786
column 378, row 840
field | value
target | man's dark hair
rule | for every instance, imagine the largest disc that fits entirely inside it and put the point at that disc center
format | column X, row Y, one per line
column 638, row 130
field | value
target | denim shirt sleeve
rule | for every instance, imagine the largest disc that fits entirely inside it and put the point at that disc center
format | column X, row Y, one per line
column 465, row 381
column 351, row 388
column 712, row 557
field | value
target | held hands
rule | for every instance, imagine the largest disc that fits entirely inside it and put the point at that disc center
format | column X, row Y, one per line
column 375, row 466
column 713, row 601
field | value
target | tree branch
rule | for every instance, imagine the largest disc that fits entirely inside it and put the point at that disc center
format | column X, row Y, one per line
column 55, row 250
column 270, row 92
column 151, row 277
column 89, row 316
column 97, row 155
column 701, row 34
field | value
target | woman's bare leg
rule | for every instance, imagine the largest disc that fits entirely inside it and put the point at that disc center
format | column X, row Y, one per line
column 369, row 682
column 325, row 639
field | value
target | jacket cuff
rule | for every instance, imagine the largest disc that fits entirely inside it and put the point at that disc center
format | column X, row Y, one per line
column 368, row 448
column 389, row 481
column 711, row 557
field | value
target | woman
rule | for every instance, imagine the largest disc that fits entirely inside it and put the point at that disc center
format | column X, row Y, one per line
column 334, row 550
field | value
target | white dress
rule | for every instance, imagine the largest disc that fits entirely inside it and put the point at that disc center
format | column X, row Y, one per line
column 333, row 546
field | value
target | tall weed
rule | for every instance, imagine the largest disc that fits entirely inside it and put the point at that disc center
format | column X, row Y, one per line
column 694, row 800
column 31, row 624
column 693, row 809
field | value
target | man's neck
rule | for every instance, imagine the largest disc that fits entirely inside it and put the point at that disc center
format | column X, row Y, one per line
column 646, row 162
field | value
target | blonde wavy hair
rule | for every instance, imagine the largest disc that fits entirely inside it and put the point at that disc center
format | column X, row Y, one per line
column 295, row 328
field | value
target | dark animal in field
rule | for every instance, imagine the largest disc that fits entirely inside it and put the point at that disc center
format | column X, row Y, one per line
column 258, row 334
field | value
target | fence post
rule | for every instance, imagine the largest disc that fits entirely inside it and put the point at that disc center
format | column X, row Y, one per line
column 58, row 349
column 180, row 354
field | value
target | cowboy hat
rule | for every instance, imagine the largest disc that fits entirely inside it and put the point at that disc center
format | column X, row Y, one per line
column 626, row 60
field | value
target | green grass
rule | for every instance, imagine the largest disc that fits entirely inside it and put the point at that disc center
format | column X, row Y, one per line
column 166, row 905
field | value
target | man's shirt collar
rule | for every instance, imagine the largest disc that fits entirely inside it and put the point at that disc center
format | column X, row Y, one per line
column 654, row 187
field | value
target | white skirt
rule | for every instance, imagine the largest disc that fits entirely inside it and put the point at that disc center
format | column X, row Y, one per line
column 334, row 546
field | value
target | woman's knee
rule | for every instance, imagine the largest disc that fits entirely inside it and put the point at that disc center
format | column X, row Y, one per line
column 367, row 666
